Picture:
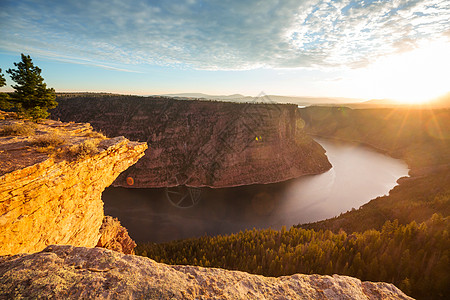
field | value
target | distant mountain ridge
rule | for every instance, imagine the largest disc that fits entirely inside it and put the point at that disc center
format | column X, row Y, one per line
column 438, row 102
column 267, row 98
column 205, row 96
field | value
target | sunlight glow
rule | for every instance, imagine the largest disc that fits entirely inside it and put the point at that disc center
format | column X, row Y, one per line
column 411, row 77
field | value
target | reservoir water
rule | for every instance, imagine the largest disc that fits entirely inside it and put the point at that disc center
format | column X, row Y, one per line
column 359, row 174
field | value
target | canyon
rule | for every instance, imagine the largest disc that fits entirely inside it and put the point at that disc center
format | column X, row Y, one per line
column 52, row 175
column 201, row 143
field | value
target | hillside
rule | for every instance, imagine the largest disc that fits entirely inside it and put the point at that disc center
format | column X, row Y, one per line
column 414, row 257
column 421, row 137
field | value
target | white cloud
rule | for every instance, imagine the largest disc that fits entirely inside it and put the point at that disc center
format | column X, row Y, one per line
column 223, row 34
column 360, row 33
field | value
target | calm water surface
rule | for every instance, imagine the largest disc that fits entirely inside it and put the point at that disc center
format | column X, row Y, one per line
column 358, row 175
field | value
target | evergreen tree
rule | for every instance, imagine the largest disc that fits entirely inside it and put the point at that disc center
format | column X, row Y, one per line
column 414, row 257
column 31, row 97
column 2, row 79
column 4, row 97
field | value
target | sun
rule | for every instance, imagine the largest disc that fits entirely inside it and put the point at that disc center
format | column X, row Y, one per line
column 411, row 77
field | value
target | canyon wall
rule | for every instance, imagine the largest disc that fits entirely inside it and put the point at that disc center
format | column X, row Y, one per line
column 52, row 176
column 83, row 273
column 202, row 143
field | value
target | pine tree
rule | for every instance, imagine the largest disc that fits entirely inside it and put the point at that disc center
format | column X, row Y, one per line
column 2, row 79
column 31, row 97
column 4, row 97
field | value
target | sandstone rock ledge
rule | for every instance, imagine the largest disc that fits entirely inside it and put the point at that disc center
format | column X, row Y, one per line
column 52, row 176
column 94, row 273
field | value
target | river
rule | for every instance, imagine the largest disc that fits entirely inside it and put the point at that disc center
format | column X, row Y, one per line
column 359, row 174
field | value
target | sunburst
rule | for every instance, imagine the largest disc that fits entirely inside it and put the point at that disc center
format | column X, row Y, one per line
column 413, row 77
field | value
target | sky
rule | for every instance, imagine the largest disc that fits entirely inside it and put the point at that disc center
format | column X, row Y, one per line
column 364, row 49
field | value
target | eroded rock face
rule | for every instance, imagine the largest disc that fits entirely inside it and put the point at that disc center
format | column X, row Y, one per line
column 52, row 194
column 201, row 143
column 88, row 273
column 115, row 237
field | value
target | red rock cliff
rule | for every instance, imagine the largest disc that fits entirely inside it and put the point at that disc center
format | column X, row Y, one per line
column 201, row 143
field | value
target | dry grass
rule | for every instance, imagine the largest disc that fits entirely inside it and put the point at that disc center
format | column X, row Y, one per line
column 51, row 143
column 49, row 140
column 25, row 129
column 87, row 148
column 95, row 134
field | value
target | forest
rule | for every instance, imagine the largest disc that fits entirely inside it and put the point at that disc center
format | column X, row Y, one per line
column 415, row 257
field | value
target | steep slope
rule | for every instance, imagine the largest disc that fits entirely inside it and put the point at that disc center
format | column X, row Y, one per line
column 201, row 143
column 52, row 176
column 82, row 273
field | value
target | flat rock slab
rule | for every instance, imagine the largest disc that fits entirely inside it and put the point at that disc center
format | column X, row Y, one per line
column 67, row 272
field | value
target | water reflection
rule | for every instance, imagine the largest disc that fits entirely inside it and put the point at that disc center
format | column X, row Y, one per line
column 358, row 175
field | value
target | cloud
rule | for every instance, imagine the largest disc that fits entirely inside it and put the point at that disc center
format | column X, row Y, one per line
column 223, row 34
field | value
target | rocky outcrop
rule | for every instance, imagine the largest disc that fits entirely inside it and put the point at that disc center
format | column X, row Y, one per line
column 82, row 273
column 52, row 176
column 115, row 237
column 201, row 143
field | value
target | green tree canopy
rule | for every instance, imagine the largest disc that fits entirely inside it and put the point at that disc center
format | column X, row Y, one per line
column 2, row 79
column 31, row 96
column 4, row 97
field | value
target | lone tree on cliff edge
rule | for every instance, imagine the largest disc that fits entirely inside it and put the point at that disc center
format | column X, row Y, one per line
column 31, row 97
